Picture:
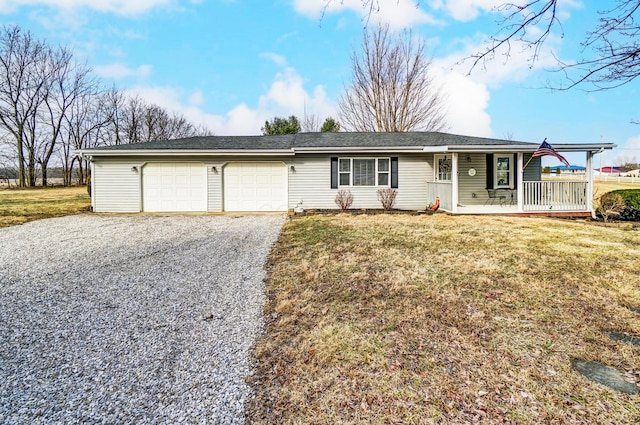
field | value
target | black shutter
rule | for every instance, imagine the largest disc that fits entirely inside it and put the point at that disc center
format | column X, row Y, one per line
column 489, row 171
column 394, row 172
column 515, row 170
column 334, row 173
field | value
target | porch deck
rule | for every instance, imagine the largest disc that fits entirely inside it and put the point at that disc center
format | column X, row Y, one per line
column 548, row 198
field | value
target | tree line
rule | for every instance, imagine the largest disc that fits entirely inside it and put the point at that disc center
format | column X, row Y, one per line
column 52, row 104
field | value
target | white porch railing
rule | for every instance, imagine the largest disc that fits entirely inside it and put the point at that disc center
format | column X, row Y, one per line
column 442, row 190
column 555, row 196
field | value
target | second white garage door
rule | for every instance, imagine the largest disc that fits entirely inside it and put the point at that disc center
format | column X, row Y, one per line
column 174, row 187
column 255, row 186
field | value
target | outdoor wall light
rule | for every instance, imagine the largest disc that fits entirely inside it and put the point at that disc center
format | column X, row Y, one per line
column 214, row 169
column 134, row 169
column 293, row 168
column 468, row 158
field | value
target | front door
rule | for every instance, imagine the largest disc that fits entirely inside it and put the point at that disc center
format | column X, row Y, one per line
column 442, row 168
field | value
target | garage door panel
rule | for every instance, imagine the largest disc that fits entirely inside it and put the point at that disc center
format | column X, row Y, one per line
column 174, row 187
column 260, row 186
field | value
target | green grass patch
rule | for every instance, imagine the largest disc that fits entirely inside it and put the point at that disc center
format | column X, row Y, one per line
column 18, row 206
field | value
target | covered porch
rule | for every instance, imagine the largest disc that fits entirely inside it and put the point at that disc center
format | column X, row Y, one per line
column 507, row 182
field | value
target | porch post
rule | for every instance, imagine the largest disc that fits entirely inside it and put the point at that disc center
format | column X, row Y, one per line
column 589, row 194
column 454, row 182
column 520, row 184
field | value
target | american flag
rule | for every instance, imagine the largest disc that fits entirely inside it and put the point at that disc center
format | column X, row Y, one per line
column 546, row 149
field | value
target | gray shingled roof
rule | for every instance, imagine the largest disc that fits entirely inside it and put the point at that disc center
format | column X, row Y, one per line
column 407, row 139
column 314, row 140
column 210, row 143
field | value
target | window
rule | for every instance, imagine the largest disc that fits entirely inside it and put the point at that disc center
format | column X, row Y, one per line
column 345, row 172
column 364, row 171
column 503, row 176
column 383, row 172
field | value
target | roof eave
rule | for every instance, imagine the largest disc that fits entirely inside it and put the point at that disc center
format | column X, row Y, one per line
column 582, row 147
column 185, row 152
column 358, row 149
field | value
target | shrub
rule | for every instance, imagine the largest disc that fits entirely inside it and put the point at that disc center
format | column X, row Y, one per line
column 609, row 205
column 387, row 197
column 631, row 199
column 344, row 199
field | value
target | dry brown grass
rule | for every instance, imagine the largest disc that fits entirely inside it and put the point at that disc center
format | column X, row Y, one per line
column 17, row 206
column 601, row 186
column 394, row 319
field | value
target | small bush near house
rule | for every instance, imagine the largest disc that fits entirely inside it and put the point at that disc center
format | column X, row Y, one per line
column 609, row 205
column 387, row 197
column 344, row 199
column 631, row 198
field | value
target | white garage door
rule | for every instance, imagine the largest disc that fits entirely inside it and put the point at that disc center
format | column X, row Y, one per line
column 174, row 187
column 255, row 186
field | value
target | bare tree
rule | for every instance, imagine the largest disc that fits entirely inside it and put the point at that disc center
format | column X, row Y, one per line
column 24, row 79
column 311, row 123
column 70, row 82
column 84, row 124
column 392, row 88
column 138, row 121
column 610, row 52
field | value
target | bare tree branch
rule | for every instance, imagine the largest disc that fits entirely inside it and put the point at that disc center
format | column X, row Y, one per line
column 610, row 55
column 392, row 88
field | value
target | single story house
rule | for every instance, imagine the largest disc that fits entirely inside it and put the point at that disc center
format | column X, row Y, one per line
column 305, row 171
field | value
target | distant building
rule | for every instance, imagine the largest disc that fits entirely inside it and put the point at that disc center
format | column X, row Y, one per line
column 572, row 169
column 614, row 171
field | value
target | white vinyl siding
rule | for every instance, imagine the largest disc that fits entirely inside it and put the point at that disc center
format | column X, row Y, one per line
column 214, row 186
column 472, row 189
column 116, row 188
column 311, row 183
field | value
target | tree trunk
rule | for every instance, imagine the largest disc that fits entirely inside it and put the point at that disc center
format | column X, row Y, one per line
column 44, row 174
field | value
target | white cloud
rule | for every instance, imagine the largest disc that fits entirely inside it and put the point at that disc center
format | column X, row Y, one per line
column 629, row 151
column 285, row 96
column 275, row 58
column 468, row 10
column 398, row 13
column 196, row 98
column 119, row 71
column 468, row 96
column 509, row 64
column 120, row 7
column 467, row 101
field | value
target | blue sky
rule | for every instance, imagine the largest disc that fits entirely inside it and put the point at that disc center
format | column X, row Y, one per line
column 232, row 64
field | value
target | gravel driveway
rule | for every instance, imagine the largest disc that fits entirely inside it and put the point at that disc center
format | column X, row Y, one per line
column 140, row 319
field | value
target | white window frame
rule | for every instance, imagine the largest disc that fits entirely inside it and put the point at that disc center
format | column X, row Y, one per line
column 508, row 184
column 436, row 167
column 377, row 172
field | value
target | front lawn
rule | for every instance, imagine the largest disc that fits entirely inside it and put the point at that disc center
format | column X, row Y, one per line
column 17, row 206
column 394, row 319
